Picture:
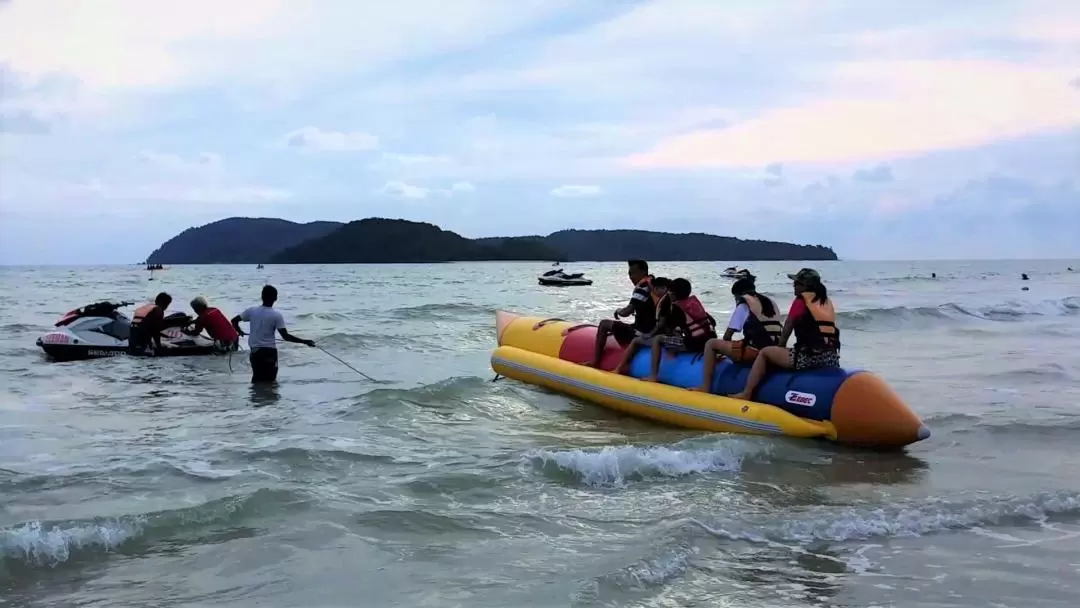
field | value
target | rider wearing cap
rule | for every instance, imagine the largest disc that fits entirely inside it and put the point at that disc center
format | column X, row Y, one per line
column 812, row 318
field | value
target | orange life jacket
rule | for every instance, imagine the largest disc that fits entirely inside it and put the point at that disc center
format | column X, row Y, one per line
column 699, row 323
column 760, row 330
column 816, row 330
column 141, row 312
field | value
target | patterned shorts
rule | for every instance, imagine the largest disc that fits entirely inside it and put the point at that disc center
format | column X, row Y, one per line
column 814, row 359
column 672, row 341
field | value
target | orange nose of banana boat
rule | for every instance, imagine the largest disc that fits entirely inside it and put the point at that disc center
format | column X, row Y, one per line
column 867, row 412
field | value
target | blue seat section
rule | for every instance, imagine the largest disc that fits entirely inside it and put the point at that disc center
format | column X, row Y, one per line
column 814, row 390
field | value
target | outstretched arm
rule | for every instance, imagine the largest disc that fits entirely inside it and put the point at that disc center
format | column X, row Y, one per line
column 195, row 328
column 286, row 336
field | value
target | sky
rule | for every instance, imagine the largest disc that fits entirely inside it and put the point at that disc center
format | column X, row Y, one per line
column 907, row 129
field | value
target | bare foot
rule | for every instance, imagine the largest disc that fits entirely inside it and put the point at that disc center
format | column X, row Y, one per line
column 700, row 389
column 620, row 370
column 650, row 379
column 742, row 396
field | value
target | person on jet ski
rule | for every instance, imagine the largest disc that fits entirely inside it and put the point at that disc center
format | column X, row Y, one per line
column 147, row 323
column 215, row 323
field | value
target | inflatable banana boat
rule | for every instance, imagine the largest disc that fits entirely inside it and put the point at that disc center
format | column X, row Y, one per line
column 850, row 407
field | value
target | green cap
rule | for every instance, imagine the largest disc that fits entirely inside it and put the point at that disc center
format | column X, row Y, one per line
column 806, row 276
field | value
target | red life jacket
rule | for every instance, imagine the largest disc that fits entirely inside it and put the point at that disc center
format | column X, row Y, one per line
column 218, row 326
column 699, row 323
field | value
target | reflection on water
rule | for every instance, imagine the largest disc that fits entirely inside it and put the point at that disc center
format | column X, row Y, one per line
column 265, row 393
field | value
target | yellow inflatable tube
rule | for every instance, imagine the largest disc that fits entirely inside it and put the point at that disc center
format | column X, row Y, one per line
column 529, row 351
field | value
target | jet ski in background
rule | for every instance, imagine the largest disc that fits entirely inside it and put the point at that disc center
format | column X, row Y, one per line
column 561, row 278
column 733, row 272
column 100, row 330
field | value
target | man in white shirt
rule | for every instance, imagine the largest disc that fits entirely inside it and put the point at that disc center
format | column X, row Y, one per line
column 264, row 322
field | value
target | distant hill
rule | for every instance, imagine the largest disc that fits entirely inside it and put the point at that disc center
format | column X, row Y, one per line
column 237, row 240
column 615, row 245
column 380, row 240
column 619, row 245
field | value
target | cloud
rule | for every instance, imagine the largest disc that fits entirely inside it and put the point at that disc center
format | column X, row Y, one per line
column 407, row 191
column 879, row 174
column 576, row 191
column 906, row 108
column 23, row 122
column 203, row 161
column 314, row 138
column 292, row 109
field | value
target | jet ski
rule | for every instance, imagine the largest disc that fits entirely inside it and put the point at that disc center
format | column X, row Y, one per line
column 561, row 278
column 101, row 330
column 733, row 272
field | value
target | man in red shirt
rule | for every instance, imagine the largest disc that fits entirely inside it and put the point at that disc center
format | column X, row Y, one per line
column 215, row 323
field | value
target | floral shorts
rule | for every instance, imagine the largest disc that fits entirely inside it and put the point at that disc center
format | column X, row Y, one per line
column 814, row 359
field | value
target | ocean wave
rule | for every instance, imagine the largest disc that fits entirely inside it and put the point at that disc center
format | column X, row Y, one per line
column 37, row 544
column 612, row 466
column 912, row 518
column 886, row 318
column 443, row 310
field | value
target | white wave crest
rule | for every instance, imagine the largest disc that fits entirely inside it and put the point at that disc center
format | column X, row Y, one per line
column 35, row 544
column 615, row 466
column 918, row 519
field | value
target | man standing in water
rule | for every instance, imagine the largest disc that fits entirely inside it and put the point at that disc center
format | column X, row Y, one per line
column 264, row 321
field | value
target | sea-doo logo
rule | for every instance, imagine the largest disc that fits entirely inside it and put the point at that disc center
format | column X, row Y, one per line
column 797, row 398
column 93, row 352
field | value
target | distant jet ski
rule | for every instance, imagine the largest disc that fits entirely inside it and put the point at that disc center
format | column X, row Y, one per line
column 100, row 330
column 736, row 273
column 560, row 278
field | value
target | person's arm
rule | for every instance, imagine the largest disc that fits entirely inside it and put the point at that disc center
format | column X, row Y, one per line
column 286, row 336
column 797, row 308
column 738, row 319
column 195, row 328
column 157, row 322
column 237, row 319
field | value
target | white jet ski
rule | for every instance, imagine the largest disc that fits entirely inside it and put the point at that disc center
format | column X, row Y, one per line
column 100, row 330
column 561, row 278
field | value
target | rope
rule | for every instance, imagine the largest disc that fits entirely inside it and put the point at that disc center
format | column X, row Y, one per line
column 341, row 361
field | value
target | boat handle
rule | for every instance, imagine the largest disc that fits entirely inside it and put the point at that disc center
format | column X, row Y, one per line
column 545, row 322
column 576, row 327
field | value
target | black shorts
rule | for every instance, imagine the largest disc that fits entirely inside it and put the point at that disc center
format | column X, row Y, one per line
column 264, row 365
column 624, row 333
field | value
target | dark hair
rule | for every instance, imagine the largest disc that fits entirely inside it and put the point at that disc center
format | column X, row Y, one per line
column 820, row 293
column 163, row 299
column 641, row 265
column 269, row 293
column 681, row 288
column 747, row 287
column 661, row 282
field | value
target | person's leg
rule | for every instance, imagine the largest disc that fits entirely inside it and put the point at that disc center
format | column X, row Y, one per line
column 712, row 349
column 656, row 346
column 776, row 355
column 273, row 364
column 263, row 365
column 628, row 354
column 603, row 330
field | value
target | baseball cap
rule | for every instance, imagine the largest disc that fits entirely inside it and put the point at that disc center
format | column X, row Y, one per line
column 806, row 275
